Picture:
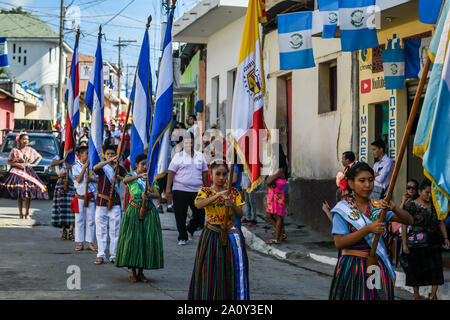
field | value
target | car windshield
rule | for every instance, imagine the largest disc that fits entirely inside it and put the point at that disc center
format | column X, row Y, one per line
column 46, row 146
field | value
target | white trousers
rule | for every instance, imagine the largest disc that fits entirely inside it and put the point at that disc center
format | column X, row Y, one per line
column 103, row 217
column 85, row 222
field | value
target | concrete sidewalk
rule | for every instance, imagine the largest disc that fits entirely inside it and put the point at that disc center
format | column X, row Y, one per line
column 304, row 246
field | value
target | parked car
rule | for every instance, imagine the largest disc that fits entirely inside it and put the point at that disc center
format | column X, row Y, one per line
column 44, row 143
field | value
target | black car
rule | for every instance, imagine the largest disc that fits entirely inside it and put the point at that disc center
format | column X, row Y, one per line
column 48, row 147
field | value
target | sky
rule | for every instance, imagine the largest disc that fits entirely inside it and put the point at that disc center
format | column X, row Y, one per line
column 129, row 18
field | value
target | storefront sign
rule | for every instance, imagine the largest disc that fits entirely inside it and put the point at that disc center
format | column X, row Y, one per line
column 392, row 126
column 363, row 148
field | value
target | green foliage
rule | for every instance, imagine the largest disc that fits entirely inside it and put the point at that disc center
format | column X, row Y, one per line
column 17, row 10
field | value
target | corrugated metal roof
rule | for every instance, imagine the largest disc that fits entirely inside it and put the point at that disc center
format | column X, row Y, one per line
column 24, row 26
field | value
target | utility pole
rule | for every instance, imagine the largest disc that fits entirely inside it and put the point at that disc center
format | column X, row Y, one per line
column 60, row 80
column 128, row 73
column 122, row 43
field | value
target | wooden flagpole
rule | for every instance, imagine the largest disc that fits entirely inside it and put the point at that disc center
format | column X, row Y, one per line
column 86, row 199
column 372, row 259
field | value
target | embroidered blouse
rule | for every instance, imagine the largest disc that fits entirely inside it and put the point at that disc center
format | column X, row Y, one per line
column 216, row 211
column 26, row 155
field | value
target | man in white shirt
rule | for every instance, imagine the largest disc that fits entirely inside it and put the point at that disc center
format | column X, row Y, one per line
column 195, row 130
column 116, row 134
column 84, row 215
column 383, row 169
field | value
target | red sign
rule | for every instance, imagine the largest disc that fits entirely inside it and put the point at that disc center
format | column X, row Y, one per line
column 366, row 86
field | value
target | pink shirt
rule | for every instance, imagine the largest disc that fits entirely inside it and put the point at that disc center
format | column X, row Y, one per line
column 188, row 171
column 27, row 155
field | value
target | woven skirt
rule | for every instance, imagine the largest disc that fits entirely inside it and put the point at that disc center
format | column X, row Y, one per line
column 61, row 213
column 140, row 242
column 220, row 272
column 350, row 281
column 425, row 267
column 16, row 187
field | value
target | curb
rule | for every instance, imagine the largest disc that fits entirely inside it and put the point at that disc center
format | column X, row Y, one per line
column 257, row 244
column 18, row 223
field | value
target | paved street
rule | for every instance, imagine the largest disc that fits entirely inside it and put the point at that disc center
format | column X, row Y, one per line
column 34, row 264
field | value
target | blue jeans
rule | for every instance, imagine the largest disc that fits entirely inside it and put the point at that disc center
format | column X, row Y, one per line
column 250, row 206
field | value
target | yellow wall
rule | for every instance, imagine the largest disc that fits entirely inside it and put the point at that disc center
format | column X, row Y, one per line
column 397, row 100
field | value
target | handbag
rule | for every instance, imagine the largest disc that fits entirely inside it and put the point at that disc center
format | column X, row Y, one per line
column 417, row 239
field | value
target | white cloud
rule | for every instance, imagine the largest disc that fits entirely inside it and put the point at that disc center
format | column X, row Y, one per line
column 21, row 3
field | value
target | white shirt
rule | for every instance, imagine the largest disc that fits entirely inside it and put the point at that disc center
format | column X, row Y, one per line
column 385, row 168
column 81, row 187
column 61, row 169
column 188, row 171
column 116, row 134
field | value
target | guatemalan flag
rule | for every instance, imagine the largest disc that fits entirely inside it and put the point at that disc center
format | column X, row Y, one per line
column 295, row 40
column 357, row 24
column 329, row 16
column 3, row 53
column 95, row 103
column 141, row 96
column 162, row 115
column 394, row 65
column 416, row 53
column 247, row 114
column 73, row 108
column 432, row 139
column 429, row 11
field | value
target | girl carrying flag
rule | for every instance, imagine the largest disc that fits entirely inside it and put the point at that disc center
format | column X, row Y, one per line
column 140, row 238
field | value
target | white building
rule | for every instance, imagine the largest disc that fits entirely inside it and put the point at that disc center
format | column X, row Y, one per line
column 33, row 51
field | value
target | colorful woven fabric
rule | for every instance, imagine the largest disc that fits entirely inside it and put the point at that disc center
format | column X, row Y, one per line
column 276, row 198
column 220, row 272
column 61, row 213
column 15, row 187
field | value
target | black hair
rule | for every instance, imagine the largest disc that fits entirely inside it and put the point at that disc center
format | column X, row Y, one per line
column 139, row 158
column 109, row 147
column 217, row 163
column 23, row 134
column 61, row 150
column 413, row 180
column 355, row 169
column 424, row 184
column 193, row 117
column 282, row 159
column 349, row 155
column 82, row 149
column 380, row 144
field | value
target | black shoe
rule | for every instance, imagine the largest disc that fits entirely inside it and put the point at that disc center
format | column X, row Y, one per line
column 160, row 209
column 170, row 209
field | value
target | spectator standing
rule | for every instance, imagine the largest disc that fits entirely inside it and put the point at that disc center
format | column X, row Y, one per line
column 250, row 204
column 424, row 261
column 347, row 159
column 383, row 169
column 187, row 171
column 195, row 130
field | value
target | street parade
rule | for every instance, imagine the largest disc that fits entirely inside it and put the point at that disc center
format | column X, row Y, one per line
column 239, row 150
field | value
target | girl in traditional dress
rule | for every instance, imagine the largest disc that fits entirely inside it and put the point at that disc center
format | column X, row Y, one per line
column 22, row 182
column 139, row 245
column 221, row 263
column 355, row 223
column 62, row 216
column 276, row 182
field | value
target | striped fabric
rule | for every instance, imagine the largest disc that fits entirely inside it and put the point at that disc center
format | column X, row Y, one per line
column 61, row 213
column 350, row 278
column 220, row 272
column 140, row 243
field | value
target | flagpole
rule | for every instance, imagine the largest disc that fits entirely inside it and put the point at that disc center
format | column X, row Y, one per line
column 372, row 259
column 66, row 183
column 144, row 203
column 86, row 199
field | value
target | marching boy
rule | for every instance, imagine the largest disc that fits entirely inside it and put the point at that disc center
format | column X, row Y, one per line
column 84, row 214
column 103, row 216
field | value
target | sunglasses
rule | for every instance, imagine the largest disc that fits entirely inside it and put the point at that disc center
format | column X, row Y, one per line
column 410, row 187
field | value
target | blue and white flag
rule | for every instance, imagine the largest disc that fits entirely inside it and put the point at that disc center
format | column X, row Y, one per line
column 394, row 65
column 162, row 115
column 295, row 40
column 429, row 11
column 357, row 24
column 416, row 53
column 3, row 53
column 329, row 16
column 141, row 103
column 95, row 103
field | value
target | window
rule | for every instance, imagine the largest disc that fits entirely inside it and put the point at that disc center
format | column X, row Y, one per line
column 20, row 59
column 20, row 49
column 14, row 48
column 25, row 61
column 215, row 97
column 49, row 55
column 328, row 86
